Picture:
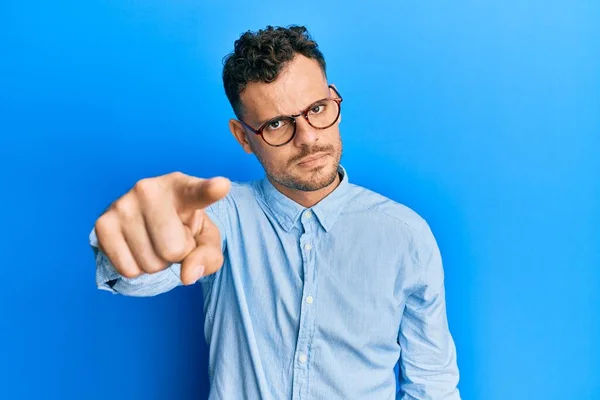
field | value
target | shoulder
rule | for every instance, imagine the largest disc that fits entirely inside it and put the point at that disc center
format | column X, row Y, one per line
column 392, row 216
column 368, row 201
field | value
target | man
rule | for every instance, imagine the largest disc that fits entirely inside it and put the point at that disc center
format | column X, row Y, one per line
column 314, row 288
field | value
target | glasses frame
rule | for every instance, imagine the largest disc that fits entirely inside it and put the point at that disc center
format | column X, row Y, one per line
column 304, row 113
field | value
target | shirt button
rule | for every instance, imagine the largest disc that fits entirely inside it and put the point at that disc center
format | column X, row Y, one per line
column 309, row 299
column 307, row 246
column 302, row 358
column 308, row 214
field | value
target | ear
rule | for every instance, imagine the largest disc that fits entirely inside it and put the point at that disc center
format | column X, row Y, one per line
column 237, row 130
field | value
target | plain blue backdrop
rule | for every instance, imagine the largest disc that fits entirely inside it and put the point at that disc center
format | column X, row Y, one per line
column 484, row 117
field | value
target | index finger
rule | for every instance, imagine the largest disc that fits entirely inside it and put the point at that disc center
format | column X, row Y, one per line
column 197, row 193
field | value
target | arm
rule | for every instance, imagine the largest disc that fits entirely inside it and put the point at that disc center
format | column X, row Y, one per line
column 160, row 235
column 428, row 354
column 107, row 277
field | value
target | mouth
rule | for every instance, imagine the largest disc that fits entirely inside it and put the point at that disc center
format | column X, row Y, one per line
column 312, row 160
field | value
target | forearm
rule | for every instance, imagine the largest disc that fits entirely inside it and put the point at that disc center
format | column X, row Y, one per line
column 430, row 377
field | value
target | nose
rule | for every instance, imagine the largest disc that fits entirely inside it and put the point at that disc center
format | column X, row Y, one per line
column 305, row 133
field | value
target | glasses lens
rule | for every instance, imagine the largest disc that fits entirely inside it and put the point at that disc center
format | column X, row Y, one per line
column 324, row 113
column 279, row 131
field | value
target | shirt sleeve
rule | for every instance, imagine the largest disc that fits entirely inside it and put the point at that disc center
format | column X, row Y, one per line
column 107, row 277
column 428, row 364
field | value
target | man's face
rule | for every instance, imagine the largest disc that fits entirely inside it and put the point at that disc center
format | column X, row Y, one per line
column 310, row 160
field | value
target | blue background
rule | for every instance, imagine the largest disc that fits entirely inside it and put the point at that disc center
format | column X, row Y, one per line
column 484, row 117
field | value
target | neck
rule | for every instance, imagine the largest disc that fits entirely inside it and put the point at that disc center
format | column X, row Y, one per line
column 305, row 198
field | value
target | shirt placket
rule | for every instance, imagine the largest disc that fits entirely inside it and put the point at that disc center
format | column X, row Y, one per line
column 302, row 359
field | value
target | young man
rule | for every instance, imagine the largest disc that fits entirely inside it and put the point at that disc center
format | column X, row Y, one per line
column 314, row 288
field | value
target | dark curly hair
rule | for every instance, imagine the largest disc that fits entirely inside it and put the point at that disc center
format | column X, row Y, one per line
column 260, row 57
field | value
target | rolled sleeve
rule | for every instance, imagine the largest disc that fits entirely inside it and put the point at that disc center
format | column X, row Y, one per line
column 107, row 277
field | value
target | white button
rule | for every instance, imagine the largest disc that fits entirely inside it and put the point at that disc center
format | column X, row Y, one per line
column 309, row 299
column 302, row 358
column 307, row 246
column 307, row 214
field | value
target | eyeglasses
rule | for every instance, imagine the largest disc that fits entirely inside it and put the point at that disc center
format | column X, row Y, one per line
column 321, row 114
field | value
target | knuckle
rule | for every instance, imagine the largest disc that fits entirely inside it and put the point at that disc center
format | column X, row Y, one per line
column 104, row 226
column 172, row 251
column 125, row 208
column 176, row 180
column 176, row 175
column 146, row 188
column 154, row 266
column 101, row 226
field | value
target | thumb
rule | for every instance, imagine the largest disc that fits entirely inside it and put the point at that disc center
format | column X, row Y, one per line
column 207, row 257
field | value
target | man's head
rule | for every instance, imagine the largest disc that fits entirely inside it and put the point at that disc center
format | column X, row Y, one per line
column 279, row 72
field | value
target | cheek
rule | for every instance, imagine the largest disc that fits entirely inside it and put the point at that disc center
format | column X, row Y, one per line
column 334, row 136
column 271, row 157
column 277, row 159
column 258, row 146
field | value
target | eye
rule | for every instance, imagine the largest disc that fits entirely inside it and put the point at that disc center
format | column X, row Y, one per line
column 274, row 125
column 317, row 108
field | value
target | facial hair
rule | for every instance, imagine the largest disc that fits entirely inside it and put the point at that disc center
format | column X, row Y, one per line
column 316, row 179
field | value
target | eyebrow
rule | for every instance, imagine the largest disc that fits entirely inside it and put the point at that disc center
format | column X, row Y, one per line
column 264, row 121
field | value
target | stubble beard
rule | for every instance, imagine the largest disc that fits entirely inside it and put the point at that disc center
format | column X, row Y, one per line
column 318, row 178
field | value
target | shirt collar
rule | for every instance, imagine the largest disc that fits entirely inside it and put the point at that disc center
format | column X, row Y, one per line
column 287, row 211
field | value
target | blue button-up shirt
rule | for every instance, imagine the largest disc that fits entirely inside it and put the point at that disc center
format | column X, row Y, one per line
column 321, row 302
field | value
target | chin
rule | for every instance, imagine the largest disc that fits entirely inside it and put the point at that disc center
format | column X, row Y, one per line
column 316, row 179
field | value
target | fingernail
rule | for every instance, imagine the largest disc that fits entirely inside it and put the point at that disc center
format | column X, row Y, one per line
column 198, row 219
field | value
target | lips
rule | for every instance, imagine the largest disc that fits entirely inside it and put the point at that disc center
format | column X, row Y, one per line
column 312, row 158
